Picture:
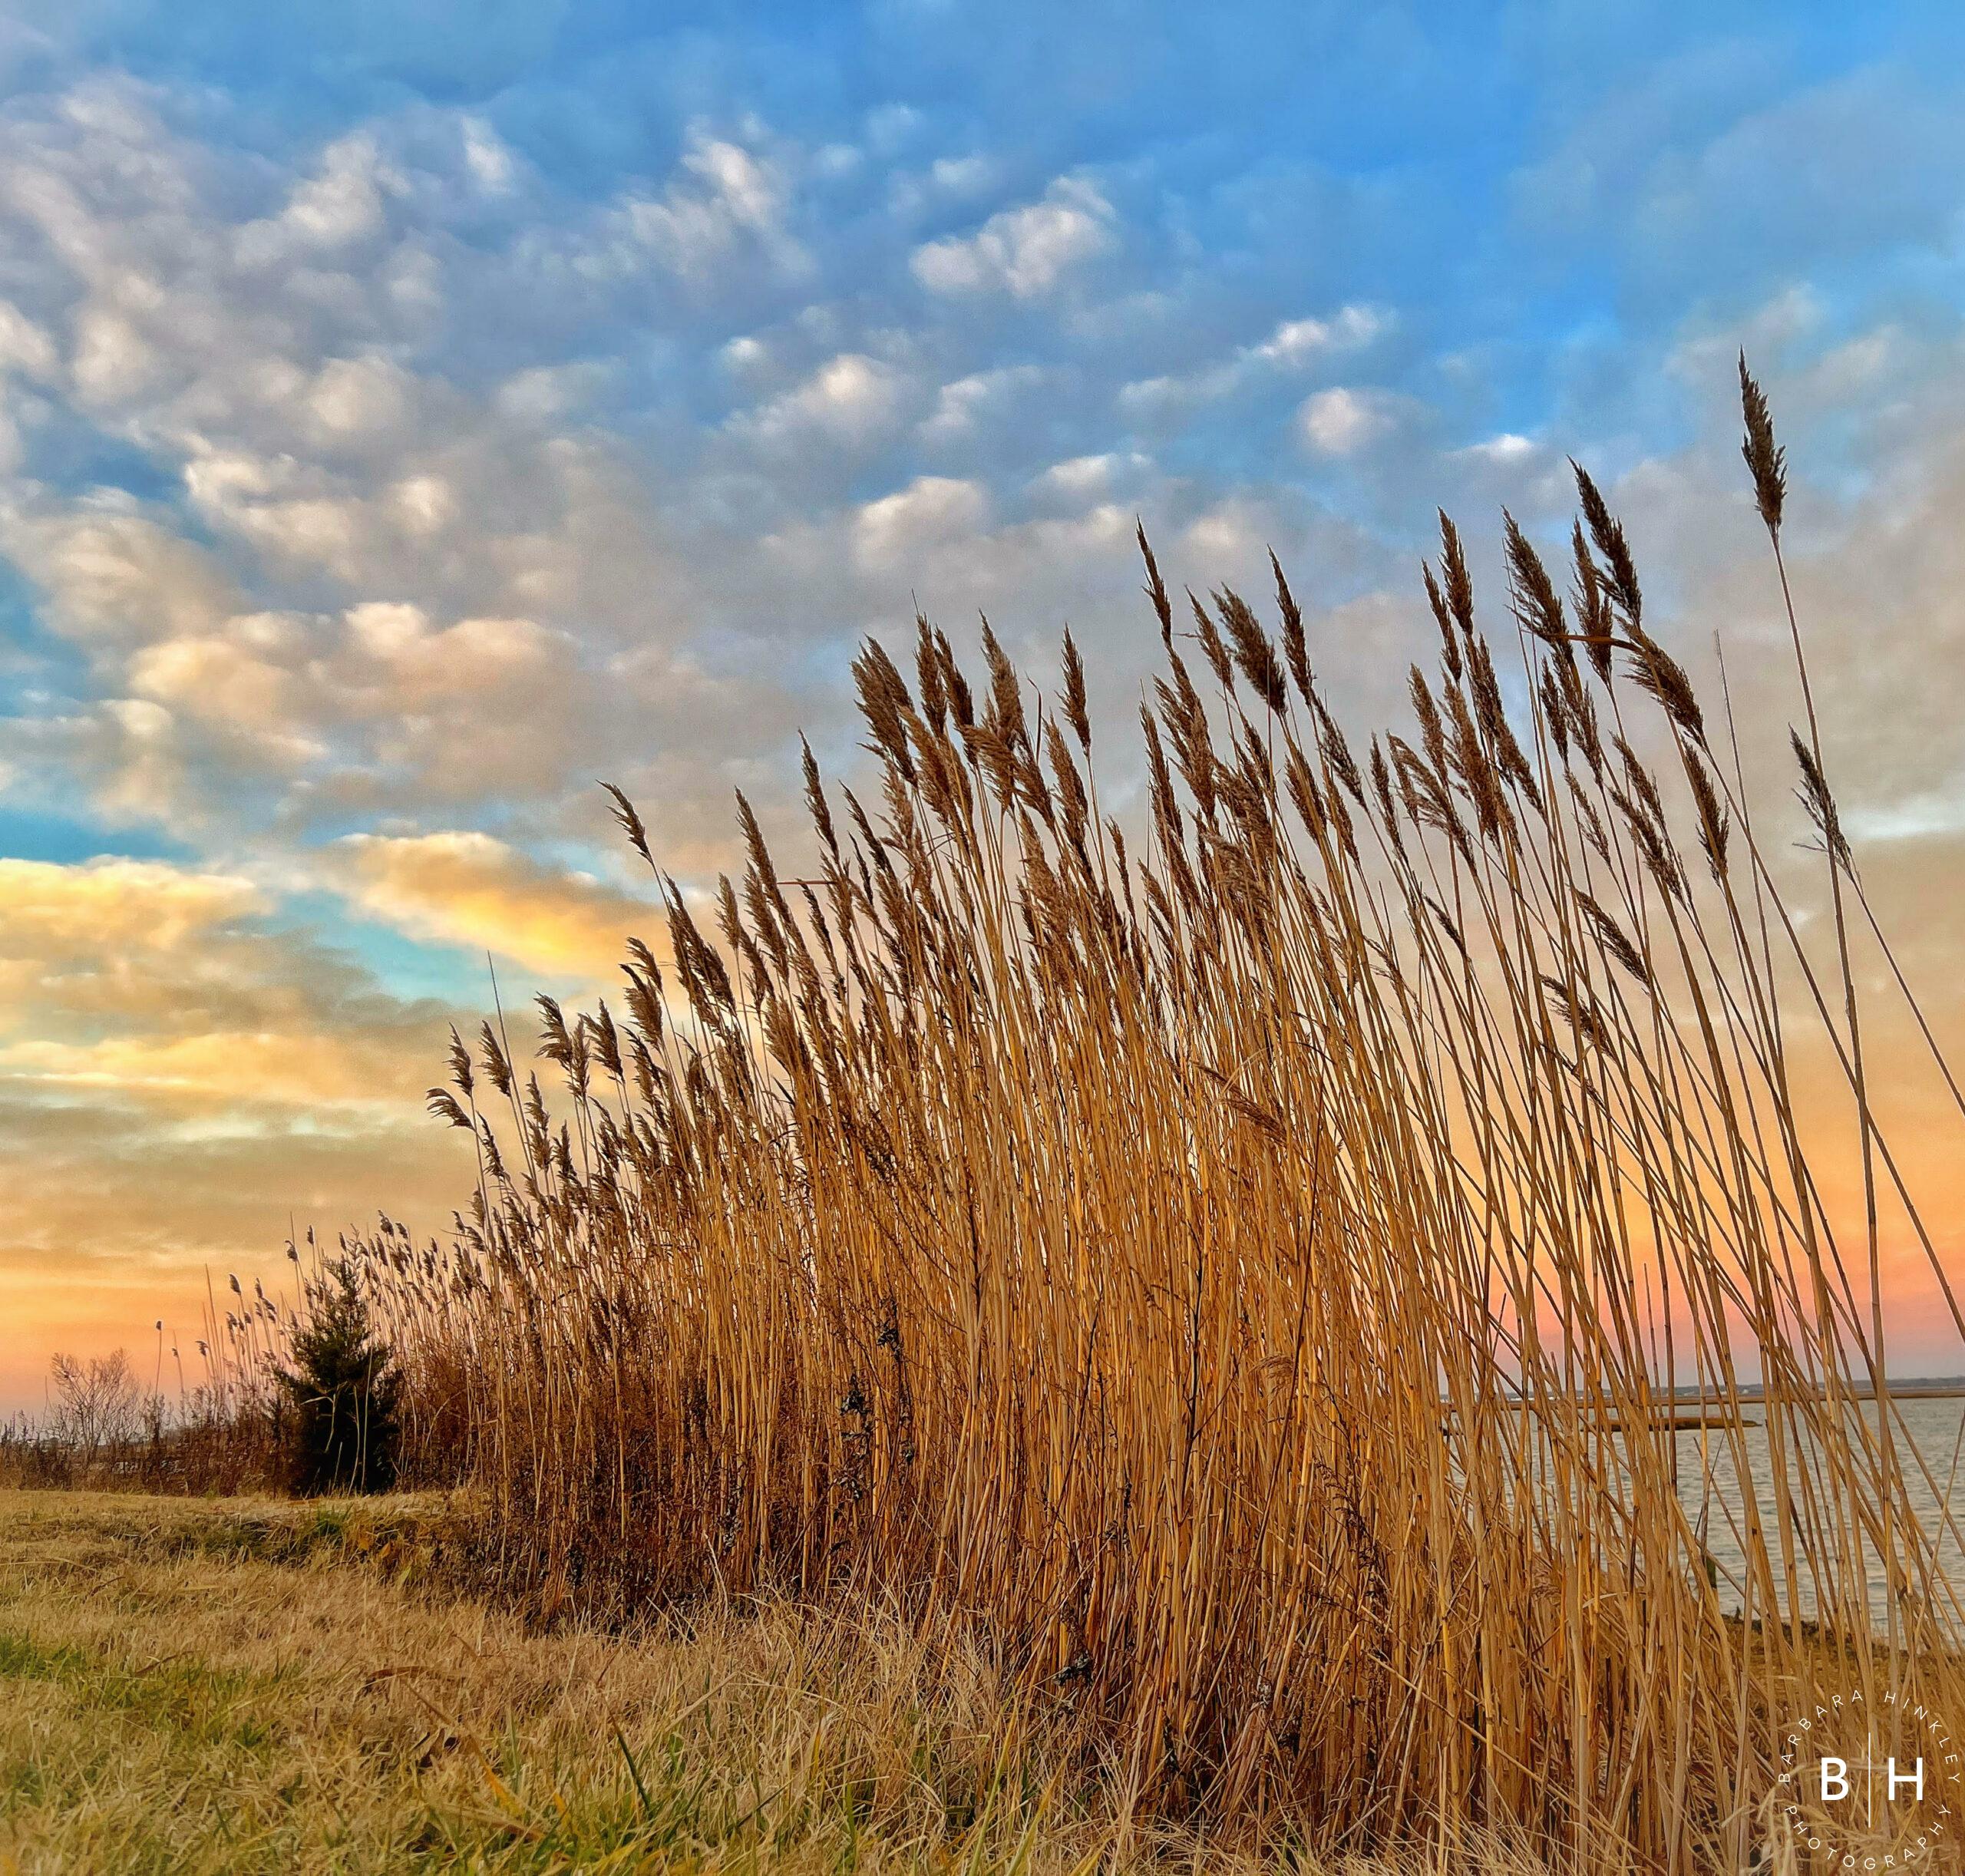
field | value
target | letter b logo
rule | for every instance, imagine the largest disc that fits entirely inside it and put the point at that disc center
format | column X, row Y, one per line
column 1834, row 1780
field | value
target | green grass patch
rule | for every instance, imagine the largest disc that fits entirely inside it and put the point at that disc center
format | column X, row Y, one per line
column 196, row 1700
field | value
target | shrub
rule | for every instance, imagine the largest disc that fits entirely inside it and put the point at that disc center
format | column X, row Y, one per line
column 342, row 1394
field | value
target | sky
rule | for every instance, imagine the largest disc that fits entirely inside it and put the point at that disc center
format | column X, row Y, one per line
column 412, row 415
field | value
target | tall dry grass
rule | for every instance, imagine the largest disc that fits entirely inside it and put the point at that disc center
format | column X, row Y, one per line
column 1236, row 1272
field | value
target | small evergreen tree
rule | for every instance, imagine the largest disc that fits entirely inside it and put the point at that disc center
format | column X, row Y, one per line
column 342, row 1394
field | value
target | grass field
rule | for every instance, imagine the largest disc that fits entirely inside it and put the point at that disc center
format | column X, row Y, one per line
column 249, row 1684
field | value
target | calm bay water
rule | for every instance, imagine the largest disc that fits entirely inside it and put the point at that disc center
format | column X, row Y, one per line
column 1710, row 1486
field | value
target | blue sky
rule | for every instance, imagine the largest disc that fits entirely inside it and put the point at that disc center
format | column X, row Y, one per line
column 411, row 413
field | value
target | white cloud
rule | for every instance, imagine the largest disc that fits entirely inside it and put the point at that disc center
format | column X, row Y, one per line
column 745, row 355
column 115, row 578
column 338, row 207
column 851, row 398
column 729, row 198
column 1914, row 817
column 24, row 345
column 947, row 179
column 427, row 504
column 112, row 360
column 359, row 397
column 1024, row 252
column 929, row 512
column 1342, row 420
column 1295, row 341
column 221, row 679
column 1082, row 479
column 1502, row 450
column 1294, row 345
column 544, row 393
column 962, row 175
column 490, row 159
column 964, row 402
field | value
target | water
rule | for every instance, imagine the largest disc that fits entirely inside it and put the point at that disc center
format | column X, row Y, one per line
column 1712, row 1485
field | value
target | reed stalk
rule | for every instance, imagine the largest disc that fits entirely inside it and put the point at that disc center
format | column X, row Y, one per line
column 1238, row 1264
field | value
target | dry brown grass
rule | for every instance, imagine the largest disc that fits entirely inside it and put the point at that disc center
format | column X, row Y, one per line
column 245, row 1686
column 1211, row 1272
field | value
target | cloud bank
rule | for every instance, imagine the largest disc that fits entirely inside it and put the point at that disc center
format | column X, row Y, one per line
column 402, row 429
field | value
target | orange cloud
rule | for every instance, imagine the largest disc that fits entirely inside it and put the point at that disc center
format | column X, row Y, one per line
column 469, row 889
column 180, row 1086
column 154, row 983
column 101, row 904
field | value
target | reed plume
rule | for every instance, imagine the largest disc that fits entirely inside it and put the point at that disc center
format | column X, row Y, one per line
column 1243, row 1266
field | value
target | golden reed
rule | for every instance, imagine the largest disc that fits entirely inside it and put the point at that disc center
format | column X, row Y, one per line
column 1237, row 1272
